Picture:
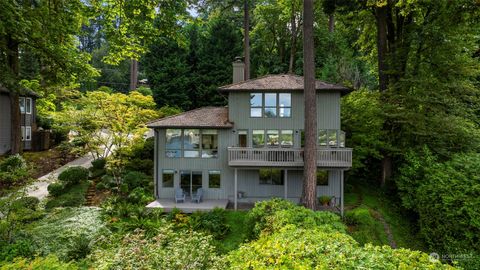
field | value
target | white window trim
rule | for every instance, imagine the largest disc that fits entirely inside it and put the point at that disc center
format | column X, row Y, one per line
column 28, row 134
column 20, row 104
column 23, row 133
column 28, row 109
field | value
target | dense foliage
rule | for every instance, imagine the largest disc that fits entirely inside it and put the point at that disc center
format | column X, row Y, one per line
column 13, row 170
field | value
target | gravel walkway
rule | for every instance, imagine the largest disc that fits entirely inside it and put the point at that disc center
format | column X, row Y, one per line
column 39, row 188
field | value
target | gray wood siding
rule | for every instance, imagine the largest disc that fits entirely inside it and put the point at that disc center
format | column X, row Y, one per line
column 4, row 124
column 197, row 164
column 248, row 182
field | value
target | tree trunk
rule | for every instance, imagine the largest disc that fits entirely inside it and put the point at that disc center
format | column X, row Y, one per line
column 309, row 194
column 133, row 75
column 331, row 23
column 386, row 169
column 246, row 47
column 293, row 45
column 381, row 18
column 15, row 121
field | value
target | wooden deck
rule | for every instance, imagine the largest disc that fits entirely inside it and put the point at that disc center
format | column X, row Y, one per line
column 287, row 157
column 188, row 207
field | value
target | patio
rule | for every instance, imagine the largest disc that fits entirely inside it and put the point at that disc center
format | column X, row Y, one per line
column 188, row 207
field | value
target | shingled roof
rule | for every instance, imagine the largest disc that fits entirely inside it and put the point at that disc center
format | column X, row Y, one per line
column 23, row 91
column 279, row 82
column 205, row 117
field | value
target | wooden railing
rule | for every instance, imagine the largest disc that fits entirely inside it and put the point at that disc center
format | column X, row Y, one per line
column 287, row 157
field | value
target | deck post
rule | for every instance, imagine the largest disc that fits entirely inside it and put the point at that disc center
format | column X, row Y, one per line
column 235, row 192
column 285, row 182
column 341, row 192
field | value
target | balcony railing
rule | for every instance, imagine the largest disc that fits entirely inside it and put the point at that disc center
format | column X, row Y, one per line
column 287, row 157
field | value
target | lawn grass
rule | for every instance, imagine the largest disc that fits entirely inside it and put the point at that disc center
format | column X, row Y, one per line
column 238, row 232
column 403, row 229
column 364, row 228
column 72, row 196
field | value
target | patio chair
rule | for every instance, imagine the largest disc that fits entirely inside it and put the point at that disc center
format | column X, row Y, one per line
column 198, row 196
column 179, row 195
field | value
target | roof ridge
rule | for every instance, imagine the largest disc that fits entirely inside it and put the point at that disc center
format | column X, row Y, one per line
column 251, row 79
column 178, row 114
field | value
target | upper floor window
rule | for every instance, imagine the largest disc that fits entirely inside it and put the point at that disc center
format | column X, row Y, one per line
column 25, row 105
column 270, row 105
column 191, row 143
column 331, row 138
column 272, row 138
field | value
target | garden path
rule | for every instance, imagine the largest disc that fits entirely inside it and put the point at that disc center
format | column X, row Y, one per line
column 39, row 188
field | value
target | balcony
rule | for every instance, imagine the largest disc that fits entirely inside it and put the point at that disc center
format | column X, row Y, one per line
column 287, row 157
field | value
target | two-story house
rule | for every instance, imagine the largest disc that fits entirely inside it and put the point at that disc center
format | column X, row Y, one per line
column 27, row 118
column 252, row 149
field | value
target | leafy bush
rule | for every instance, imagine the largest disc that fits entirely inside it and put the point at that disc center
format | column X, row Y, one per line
column 294, row 248
column 364, row 227
column 141, row 157
column 449, row 207
column 56, row 188
column 73, row 175
column 13, row 169
column 21, row 248
column 257, row 217
column 302, row 217
column 51, row 262
column 99, row 163
column 213, row 222
column 168, row 249
column 138, row 195
column 27, row 202
column 134, row 179
column 70, row 196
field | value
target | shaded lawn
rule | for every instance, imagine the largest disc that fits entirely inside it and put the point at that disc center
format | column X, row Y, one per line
column 238, row 232
column 72, row 196
column 402, row 226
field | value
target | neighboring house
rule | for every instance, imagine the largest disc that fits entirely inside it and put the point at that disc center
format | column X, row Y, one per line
column 252, row 149
column 28, row 115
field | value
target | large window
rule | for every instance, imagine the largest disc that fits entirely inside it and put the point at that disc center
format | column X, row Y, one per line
column 285, row 105
column 258, row 138
column 209, row 143
column 331, row 138
column 26, row 133
column 322, row 137
column 256, row 104
column 191, row 143
column 270, row 105
column 173, row 145
column 167, row 178
column 28, row 105
column 272, row 138
column 21, row 102
column 271, row 176
column 286, row 138
column 214, row 179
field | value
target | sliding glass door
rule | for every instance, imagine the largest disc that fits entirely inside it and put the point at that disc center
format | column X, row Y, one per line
column 190, row 181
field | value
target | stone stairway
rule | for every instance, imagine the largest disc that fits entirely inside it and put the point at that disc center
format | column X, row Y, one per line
column 91, row 192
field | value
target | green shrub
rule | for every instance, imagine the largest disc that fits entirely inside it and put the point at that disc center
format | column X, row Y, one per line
column 324, row 199
column 141, row 157
column 21, row 248
column 27, row 202
column 56, row 188
column 13, row 169
column 51, row 262
column 99, row 164
column 358, row 216
column 449, row 208
column 134, row 179
column 73, row 175
column 294, row 248
column 213, row 222
column 70, row 196
column 257, row 217
column 101, row 186
column 302, row 217
column 96, row 173
column 168, row 249
column 138, row 195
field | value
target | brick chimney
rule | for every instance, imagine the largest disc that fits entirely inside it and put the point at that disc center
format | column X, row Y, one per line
column 238, row 70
